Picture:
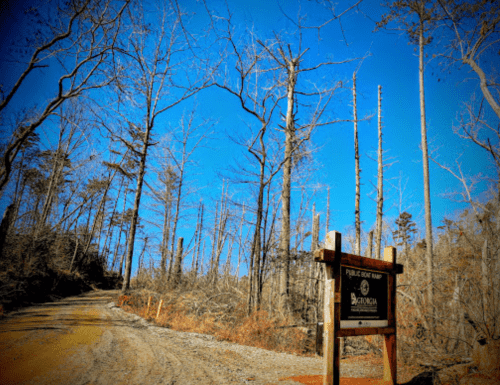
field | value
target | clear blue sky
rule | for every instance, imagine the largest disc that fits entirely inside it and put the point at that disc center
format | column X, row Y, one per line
column 391, row 63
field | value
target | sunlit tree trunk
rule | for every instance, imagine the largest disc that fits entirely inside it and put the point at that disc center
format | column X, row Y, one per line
column 427, row 191
column 285, row 194
column 167, row 204
column 369, row 246
column 380, row 180
column 178, row 262
column 357, row 248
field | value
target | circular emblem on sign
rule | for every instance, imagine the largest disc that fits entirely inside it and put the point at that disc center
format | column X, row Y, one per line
column 365, row 288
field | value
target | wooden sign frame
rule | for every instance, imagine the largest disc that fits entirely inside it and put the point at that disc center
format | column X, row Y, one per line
column 333, row 258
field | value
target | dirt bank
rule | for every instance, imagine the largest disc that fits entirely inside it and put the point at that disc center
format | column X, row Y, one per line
column 88, row 340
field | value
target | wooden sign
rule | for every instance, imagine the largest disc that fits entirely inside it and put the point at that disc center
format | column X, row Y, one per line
column 360, row 299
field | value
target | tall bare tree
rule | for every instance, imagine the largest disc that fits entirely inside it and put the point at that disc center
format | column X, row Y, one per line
column 419, row 32
column 380, row 180
column 357, row 248
column 295, row 135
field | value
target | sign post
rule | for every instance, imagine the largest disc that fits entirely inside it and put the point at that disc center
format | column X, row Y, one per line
column 360, row 299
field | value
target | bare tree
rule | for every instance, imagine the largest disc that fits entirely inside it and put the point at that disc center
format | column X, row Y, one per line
column 72, row 135
column 183, row 144
column 82, row 40
column 255, row 87
column 160, row 73
column 474, row 29
column 473, row 38
column 419, row 33
column 295, row 135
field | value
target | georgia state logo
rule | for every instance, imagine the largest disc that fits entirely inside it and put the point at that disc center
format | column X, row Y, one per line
column 365, row 288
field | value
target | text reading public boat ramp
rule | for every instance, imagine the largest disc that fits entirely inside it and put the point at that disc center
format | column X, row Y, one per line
column 364, row 298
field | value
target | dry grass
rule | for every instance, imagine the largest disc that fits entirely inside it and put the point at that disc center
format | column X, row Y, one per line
column 258, row 329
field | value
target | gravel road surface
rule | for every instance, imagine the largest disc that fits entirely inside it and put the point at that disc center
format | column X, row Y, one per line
column 88, row 340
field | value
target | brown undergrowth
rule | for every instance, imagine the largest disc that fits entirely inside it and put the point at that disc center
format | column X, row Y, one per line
column 260, row 329
column 182, row 313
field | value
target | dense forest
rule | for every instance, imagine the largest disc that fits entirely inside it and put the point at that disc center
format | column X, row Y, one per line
column 99, row 186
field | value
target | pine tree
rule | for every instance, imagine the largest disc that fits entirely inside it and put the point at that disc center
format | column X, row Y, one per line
column 405, row 231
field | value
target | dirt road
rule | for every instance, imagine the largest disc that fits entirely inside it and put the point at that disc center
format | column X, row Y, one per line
column 88, row 340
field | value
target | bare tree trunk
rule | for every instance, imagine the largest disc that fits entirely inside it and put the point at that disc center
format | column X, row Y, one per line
column 135, row 210
column 257, row 244
column 484, row 83
column 177, row 210
column 357, row 248
column 380, row 180
column 122, row 259
column 178, row 262
column 369, row 247
column 285, row 195
column 427, row 192
column 166, row 228
column 315, row 233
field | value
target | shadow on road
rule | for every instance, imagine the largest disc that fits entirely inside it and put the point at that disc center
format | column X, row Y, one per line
column 424, row 378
